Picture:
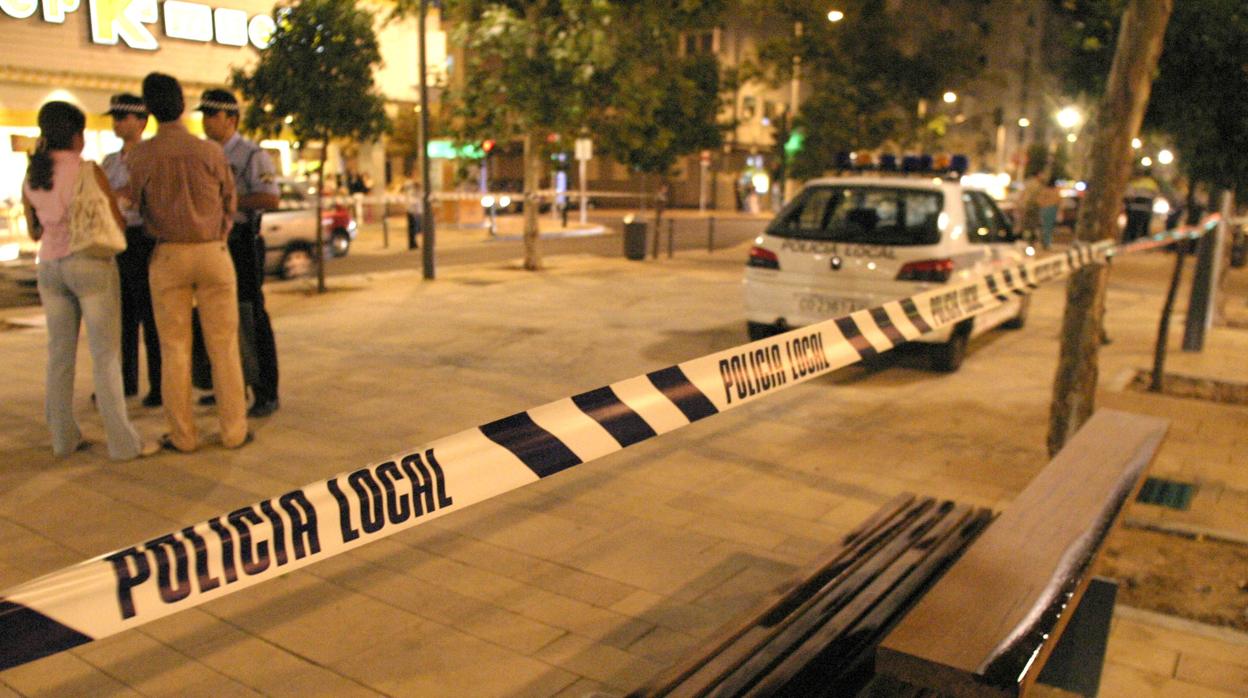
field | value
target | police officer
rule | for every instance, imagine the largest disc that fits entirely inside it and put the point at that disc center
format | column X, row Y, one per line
column 129, row 120
column 1139, row 203
column 256, row 181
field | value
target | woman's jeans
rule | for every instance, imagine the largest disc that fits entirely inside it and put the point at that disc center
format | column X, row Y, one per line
column 74, row 289
column 1048, row 222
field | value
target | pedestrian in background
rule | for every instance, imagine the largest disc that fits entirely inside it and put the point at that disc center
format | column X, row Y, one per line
column 1027, row 205
column 129, row 120
column 415, row 214
column 185, row 193
column 1048, row 199
column 255, row 181
column 75, row 288
column 1141, row 191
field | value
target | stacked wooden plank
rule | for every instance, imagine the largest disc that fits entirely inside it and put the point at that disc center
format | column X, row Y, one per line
column 817, row 638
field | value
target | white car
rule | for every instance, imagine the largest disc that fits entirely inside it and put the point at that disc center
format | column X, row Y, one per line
column 290, row 231
column 850, row 243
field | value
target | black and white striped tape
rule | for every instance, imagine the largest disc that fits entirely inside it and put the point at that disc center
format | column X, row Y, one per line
column 185, row 568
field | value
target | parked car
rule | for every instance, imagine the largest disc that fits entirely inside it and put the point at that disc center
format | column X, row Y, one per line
column 289, row 235
column 850, row 243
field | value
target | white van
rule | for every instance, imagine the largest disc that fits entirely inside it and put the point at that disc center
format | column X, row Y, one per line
column 849, row 243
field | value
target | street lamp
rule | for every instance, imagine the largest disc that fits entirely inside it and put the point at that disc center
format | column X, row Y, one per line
column 1165, row 157
column 949, row 97
column 1024, row 122
column 1069, row 117
column 1136, row 144
column 835, row 16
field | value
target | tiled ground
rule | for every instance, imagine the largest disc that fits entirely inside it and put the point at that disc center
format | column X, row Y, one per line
column 597, row 578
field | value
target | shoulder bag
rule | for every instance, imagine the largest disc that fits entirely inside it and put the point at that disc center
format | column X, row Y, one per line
column 92, row 229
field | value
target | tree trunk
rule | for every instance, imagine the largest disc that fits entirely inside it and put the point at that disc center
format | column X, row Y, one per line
column 319, row 252
column 532, row 179
column 1121, row 111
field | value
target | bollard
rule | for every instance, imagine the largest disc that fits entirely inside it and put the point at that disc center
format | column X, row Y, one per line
column 671, row 235
column 710, row 234
column 385, row 230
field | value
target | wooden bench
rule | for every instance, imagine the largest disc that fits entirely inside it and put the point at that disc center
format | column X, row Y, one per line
column 878, row 617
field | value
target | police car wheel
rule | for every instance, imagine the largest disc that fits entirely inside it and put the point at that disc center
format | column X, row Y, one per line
column 339, row 243
column 1018, row 321
column 296, row 262
column 761, row 330
column 948, row 357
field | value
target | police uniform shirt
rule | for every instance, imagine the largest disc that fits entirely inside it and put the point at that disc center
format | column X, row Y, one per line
column 119, row 176
column 253, row 170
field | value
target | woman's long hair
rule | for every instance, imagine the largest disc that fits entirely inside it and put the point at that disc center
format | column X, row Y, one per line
column 59, row 122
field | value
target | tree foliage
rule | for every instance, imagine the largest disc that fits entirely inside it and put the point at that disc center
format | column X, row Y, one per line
column 540, row 66
column 1200, row 93
column 318, row 72
column 869, row 73
column 1200, row 97
column 664, row 107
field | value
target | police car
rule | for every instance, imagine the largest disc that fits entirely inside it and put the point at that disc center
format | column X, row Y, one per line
column 848, row 243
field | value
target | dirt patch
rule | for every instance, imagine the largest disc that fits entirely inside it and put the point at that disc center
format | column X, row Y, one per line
column 1175, row 385
column 1199, row 579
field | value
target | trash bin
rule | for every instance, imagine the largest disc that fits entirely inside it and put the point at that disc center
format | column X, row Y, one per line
column 635, row 240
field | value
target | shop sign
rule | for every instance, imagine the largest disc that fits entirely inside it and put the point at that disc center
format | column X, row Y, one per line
column 128, row 21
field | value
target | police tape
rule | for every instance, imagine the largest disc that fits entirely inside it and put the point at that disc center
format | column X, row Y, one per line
column 252, row 544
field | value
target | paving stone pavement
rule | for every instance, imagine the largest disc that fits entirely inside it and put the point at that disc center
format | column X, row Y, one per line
column 597, row 578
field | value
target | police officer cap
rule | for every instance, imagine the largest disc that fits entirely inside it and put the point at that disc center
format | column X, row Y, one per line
column 125, row 103
column 218, row 100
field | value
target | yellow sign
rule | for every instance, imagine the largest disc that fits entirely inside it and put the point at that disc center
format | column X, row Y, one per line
column 128, row 22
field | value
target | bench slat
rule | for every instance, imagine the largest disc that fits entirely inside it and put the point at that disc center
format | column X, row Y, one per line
column 837, row 606
column 734, row 643
column 838, row 647
column 988, row 625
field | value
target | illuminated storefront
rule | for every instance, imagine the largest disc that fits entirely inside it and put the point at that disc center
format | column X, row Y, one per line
column 84, row 51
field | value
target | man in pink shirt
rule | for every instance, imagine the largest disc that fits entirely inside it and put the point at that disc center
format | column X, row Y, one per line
column 184, row 190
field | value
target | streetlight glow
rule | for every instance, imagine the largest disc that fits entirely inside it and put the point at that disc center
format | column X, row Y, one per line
column 1136, row 143
column 836, row 16
column 950, row 97
column 1024, row 121
column 1069, row 117
column 1071, row 138
column 1146, row 161
column 1165, row 157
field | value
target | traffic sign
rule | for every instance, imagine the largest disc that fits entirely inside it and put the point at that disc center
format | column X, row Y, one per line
column 584, row 149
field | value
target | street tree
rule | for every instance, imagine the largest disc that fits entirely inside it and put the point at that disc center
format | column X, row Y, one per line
column 874, row 74
column 1119, row 115
column 664, row 105
column 533, row 69
column 315, row 78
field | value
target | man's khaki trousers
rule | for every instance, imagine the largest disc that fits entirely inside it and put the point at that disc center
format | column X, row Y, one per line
column 182, row 276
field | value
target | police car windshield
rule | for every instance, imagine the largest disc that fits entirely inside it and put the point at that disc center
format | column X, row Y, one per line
column 860, row 213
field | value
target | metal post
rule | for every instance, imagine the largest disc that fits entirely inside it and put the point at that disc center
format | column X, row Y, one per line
column 1200, row 303
column 385, row 229
column 671, row 235
column 710, row 234
column 1163, row 327
column 426, row 227
column 580, row 175
column 703, row 165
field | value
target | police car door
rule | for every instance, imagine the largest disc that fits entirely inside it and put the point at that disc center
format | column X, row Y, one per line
column 988, row 228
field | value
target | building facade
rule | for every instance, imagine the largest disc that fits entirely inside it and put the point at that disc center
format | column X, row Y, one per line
column 83, row 52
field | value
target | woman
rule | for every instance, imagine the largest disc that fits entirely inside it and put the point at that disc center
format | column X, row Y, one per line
column 75, row 287
column 1048, row 199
